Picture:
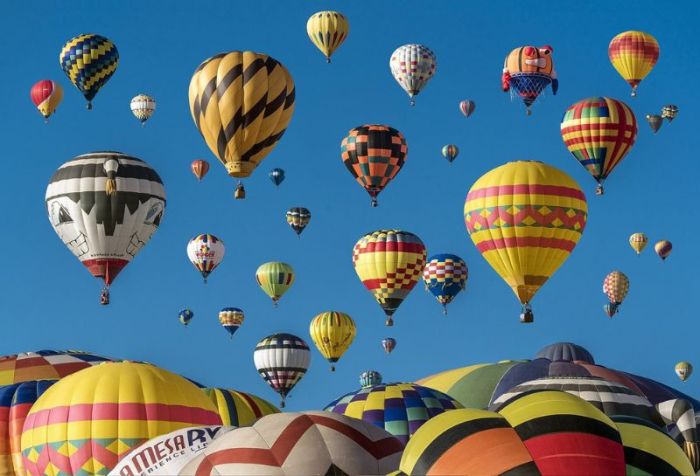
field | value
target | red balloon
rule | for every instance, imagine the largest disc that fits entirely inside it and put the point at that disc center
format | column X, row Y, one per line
column 200, row 168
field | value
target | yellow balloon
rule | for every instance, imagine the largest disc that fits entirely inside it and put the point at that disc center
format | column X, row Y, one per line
column 638, row 241
column 241, row 102
column 332, row 332
column 525, row 218
column 327, row 30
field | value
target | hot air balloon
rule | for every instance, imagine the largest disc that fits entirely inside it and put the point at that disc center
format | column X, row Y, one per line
column 374, row 154
column 389, row 263
column 388, row 344
column 241, row 102
column 205, row 253
column 399, row 408
column 295, row 444
column 633, row 54
column 609, row 309
column 655, row 122
column 663, row 248
column 525, row 218
column 109, row 214
column 467, row 107
column 298, row 218
column 277, row 176
column 638, row 241
column 143, row 107
column 275, row 278
column 615, row 286
column 683, row 370
column 185, row 316
column 369, row 378
column 282, row 360
column 412, row 67
column 44, row 365
column 327, row 30
column 445, row 275
column 239, row 408
column 231, row 318
column 46, row 96
column 199, row 168
column 527, row 71
column 333, row 333
column 450, row 152
column 89, row 61
column 120, row 401
column 669, row 112
column 599, row 132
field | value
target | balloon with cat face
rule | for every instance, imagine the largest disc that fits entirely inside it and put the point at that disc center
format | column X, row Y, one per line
column 105, row 206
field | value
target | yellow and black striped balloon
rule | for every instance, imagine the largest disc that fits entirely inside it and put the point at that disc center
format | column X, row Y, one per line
column 327, row 30
column 241, row 102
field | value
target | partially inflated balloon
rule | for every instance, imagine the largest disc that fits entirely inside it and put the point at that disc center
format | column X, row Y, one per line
column 683, row 370
column 332, row 332
column 369, row 378
column 282, row 360
column 599, row 132
column 89, row 61
column 615, row 286
column 527, row 71
column 241, row 102
column 450, row 152
column 275, row 278
column 185, row 316
column 105, row 206
column 46, row 96
column 327, row 30
column 638, row 241
column 205, row 253
column 389, row 263
column 143, row 107
column 525, row 218
column 199, row 168
column 388, row 344
column 633, row 54
column 298, row 218
column 663, row 248
column 412, row 67
column 445, row 275
column 231, row 318
column 655, row 122
column 467, row 107
column 374, row 154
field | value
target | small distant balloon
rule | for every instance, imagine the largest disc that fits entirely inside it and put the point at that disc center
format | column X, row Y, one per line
column 327, row 30
column 277, row 176
column 663, row 248
column 609, row 309
column 669, row 112
column 370, row 378
column 231, row 318
column 467, row 107
column 46, row 96
column 206, row 253
column 275, row 278
column 615, row 286
column 200, row 168
column 185, row 316
column 412, row 67
column 143, row 107
column 684, row 370
column 89, row 61
column 298, row 218
column 450, row 152
column 633, row 54
column 638, row 241
column 655, row 122
column 388, row 344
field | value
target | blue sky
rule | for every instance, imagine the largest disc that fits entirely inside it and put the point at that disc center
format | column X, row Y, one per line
column 50, row 300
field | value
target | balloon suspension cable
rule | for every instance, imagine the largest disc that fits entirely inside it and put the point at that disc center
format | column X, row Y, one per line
column 46, row 119
column 328, row 59
column 282, row 403
column 528, row 111
column 143, row 123
column 599, row 190
column 332, row 368
column 389, row 321
column 275, row 303
column 413, row 102
column 444, row 309
column 89, row 106
column 634, row 92
column 374, row 202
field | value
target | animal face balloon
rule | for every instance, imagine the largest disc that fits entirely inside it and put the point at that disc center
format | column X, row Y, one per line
column 105, row 206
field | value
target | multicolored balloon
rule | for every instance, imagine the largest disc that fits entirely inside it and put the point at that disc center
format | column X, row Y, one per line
column 412, row 67
column 185, row 316
column 327, row 30
column 242, row 103
column 275, row 278
column 450, row 152
column 369, row 378
column 277, row 176
column 663, row 248
column 669, row 112
column 109, row 214
column 445, row 275
column 638, row 241
column 231, row 318
column 389, row 263
column 633, row 54
column 46, row 96
column 239, row 408
column 525, row 218
column 89, row 61
column 388, row 344
column 333, row 333
column 298, row 218
column 199, row 168
column 282, row 360
column 143, row 107
column 527, row 71
column 599, row 132
column 655, row 122
column 374, row 154
column 205, row 253
column 683, row 370
column 467, row 107
column 616, row 285
column 44, row 365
